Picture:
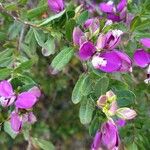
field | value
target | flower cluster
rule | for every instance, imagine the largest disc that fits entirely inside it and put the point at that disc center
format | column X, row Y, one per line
column 115, row 13
column 101, row 52
column 108, row 136
column 20, row 101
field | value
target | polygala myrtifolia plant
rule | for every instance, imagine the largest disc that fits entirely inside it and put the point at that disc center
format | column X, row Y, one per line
column 112, row 42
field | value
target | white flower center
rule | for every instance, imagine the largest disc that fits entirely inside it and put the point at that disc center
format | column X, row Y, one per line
column 99, row 61
column 148, row 69
column 110, row 2
column 117, row 33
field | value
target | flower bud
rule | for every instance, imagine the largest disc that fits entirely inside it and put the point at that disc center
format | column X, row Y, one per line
column 111, row 96
column 113, row 108
column 102, row 101
column 56, row 5
column 126, row 113
column 16, row 122
column 107, row 137
column 77, row 34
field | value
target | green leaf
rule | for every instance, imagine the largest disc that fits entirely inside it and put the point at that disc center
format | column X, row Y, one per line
column 37, row 11
column 62, row 59
column 125, row 98
column 5, row 73
column 144, row 25
column 132, row 146
column 101, row 86
column 48, row 47
column 39, row 36
column 14, row 30
column 94, row 126
column 83, row 17
column 26, row 79
column 135, row 23
column 51, row 18
column 77, row 92
column 24, row 66
column 43, row 144
column 118, row 85
column 86, row 110
column 3, row 36
column 8, row 129
column 69, row 28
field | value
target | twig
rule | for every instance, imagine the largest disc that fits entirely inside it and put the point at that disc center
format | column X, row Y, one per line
column 29, row 144
column 2, row 9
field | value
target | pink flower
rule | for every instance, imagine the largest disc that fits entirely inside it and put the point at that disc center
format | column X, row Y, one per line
column 107, row 137
column 110, row 40
column 115, row 13
column 16, row 122
column 25, row 100
column 56, row 5
column 7, row 96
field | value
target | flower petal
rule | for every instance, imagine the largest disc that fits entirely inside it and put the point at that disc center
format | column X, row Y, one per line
column 35, row 91
column 97, row 141
column 113, row 17
column 126, row 62
column 77, row 34
column 15, row 122
column 25, row 100
column 86, row 50
column 141, row 58
column 145, row 42
column 111, row 65
column 56, row 5
column 126, row 113
column 122, row 4
column 106, row 7
column 6, row 89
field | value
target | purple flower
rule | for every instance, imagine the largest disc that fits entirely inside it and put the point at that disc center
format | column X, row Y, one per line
column 56, row 5
column 141, row 58
column 115, row 13
column 120, row 122
column 145, row 42
column 107, row 137
column 77, row 36
column 7, row 97
column 16, row 122
column 25, row 100
column 110, row 40
column 105, row 61
column 87, row 49
column 6, row 89
column 92, row 24
column 107, row 7
column 29, row 117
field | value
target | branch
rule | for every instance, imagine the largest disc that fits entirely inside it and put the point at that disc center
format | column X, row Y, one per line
column 16, row 18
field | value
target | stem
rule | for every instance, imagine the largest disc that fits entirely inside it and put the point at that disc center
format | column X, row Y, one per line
column 2, row 9
column 29, row 144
